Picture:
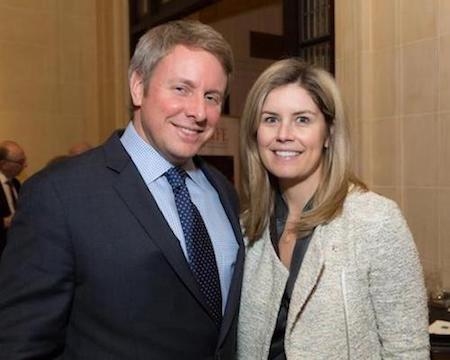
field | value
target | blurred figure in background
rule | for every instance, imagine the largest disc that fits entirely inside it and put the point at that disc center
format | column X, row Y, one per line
column 79, row 148
column 57, row 159
column 12, row 162
column 75, row 149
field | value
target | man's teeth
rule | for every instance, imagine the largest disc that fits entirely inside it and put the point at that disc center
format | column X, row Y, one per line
column 190, row 131
column 287, row 153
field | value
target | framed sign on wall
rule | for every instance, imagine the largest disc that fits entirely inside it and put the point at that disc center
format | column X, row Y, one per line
column 222, row 150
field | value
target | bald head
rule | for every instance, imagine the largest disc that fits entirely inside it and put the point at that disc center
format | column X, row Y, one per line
column 79, row 148
column 12, row 159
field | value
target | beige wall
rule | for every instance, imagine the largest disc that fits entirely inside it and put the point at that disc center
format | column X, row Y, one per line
column 393, row 63
column 62, row 73
column 393, row 66
column 62, row 79
column 235, row 19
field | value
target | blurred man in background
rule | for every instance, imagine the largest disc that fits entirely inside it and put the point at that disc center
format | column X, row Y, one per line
column 12, row 162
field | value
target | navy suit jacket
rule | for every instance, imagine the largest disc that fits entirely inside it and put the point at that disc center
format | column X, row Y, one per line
column 93, row 270
column 5, row 212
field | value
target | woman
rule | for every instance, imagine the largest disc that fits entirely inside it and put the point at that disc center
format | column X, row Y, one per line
column 331, row 271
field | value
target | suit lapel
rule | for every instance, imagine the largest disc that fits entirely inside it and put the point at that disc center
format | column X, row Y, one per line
column 4, row 207
column 308, row 277
column 135, row 194
column 132, row 190
column 236, row 282
column 16, row 184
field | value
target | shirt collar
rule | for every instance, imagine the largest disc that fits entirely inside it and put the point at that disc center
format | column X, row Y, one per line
column 142, row 154
column 3, row 178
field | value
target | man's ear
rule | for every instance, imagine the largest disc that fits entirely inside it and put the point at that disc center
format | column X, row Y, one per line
column 136, row 89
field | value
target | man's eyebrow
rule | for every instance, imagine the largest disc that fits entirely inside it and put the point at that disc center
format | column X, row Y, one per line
column 218, row 92
column 191, row 84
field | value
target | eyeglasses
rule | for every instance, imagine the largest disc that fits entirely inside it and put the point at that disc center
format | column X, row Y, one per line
column 19, row 161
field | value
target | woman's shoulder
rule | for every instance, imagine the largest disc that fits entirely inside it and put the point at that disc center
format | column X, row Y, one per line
column 366, row 201
column 372, row 222
column 368, row 207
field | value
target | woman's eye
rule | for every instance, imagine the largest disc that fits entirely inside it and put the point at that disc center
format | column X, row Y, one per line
column 269, row 119
column 303, row 119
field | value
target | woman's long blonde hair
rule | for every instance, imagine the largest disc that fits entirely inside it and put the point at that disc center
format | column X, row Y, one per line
column 258, row 187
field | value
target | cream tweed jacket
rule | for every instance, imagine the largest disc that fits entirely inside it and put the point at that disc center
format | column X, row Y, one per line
column 359, row 293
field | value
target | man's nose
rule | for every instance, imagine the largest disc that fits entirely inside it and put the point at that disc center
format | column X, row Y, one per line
column 196, row 107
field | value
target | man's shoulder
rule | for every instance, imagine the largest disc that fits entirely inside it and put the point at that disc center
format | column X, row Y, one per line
column 81, row 167
column 75, row 164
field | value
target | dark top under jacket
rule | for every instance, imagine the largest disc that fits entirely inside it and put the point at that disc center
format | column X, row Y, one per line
column 277, row 224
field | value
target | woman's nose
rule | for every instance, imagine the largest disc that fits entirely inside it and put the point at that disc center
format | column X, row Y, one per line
column 284, row 132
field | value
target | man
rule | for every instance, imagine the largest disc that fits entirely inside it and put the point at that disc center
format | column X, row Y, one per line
column 12, row 162
column 102, row 264
column 79, row 148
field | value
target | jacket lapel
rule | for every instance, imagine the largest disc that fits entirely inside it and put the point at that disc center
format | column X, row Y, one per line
column 308, row 277
column 16, row 184
column 4, row 208
column 132, row 190
column 236, row 282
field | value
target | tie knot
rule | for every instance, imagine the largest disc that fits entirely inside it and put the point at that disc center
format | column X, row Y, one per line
column 176, row 177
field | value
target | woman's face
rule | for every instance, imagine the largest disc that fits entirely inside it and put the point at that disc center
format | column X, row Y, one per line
column 292, row 135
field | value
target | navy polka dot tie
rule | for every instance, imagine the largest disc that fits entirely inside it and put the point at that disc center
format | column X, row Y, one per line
column 200, row 251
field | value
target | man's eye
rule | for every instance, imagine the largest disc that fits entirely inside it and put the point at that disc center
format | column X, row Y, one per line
column 212, row 98
column 180, row 89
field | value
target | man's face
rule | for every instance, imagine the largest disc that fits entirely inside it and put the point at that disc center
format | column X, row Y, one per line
column 182, row 106
column 14, row 163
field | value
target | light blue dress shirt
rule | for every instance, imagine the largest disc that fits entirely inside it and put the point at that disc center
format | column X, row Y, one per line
column 152, row 166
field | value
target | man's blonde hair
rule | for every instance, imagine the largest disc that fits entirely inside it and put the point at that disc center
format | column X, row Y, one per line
column 156, row 43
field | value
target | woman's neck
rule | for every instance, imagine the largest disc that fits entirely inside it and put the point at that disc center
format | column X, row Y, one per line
column 296, row 195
